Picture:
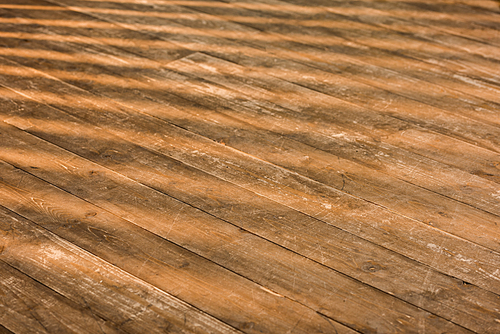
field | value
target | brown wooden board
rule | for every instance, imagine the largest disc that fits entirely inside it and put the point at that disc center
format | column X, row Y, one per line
column 154, row 171
column 411, row 138
column 418, row 56
column 450, row 25
column 263, row 166
column 350, row 179
column 170, row 268
column 26, row 306
column 347, row 55
column 454, row 19
column 218, row 72
column 94, row 284
column 488, row 192
column 327, row 136
column 443, row 120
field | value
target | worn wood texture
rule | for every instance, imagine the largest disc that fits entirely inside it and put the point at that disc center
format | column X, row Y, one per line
column 257, row 166
column 30, row 307
column 4, row 330
column 101, row 288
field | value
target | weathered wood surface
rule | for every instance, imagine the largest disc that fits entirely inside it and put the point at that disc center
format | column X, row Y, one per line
column 109, row 294
column 249, row 166
column 28, row 306
column 4, row 330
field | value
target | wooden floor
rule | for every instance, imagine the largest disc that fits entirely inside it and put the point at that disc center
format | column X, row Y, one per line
column 249, row 166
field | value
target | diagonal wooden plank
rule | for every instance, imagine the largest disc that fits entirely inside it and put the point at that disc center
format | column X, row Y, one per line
column 411, row 56
column 322, row 285
column 166, row 266
column 330, row 84
column 363, row 71
column 187, row 227
column 421, row 139
column 450, row 25
column 342, row 181
column 430, row 73
column 213, row 201
column 296, row 41
column 453, row 191
column 325, row 135
column 30, row 307
column 351, row 178
column 100, row 288
column 77, row 78
column 126, row 111
column 490, row 5
column 471, row 22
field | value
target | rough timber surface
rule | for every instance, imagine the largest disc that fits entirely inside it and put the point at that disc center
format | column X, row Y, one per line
column 249, row 166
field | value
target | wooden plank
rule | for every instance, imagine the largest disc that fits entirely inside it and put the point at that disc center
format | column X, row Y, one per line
column 130, row 44
column 458, row 19
column 486, row 201
column 401, row 14
column 4, row 330
column 352, row 178
column 384, row 44
column 27, row 306
column 161, row 174
column 411, row 18
column 421, row 139
column 342, row 181
column 491, row 5
column 430, row 73
column 327, row 83
column 328, row 137
column 435, row 119
column 233, row 299
column 101, row 77
column 334, row 45
column 241, row 169
column 486, row 206
column 478, row 68
column 252, row 257
column 96, row 286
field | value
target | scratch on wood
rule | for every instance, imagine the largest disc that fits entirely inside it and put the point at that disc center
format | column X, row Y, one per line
column 271, row 292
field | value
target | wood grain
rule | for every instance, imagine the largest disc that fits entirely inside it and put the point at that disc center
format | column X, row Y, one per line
column 329, row 82
column 30, row 307
column 249, row 166
column 293, row 152
column 231, row 298
column 94, row 284
column 353, row 58
column 155, row 175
